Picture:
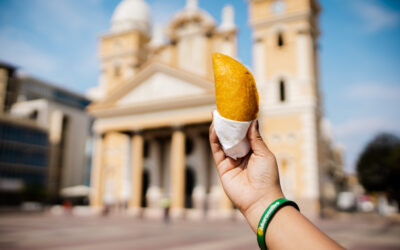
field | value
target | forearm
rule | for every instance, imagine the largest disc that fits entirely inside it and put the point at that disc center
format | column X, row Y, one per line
column 289, row 229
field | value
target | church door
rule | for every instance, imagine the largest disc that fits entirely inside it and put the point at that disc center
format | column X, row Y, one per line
column 190, row 181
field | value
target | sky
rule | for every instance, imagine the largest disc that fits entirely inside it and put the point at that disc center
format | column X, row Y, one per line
column 359, row 54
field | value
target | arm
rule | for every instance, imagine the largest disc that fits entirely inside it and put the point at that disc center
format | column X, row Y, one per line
column 252, row 183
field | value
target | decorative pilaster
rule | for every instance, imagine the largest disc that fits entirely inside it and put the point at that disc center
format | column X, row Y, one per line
column 259, row 62
column 137, row 171
column 96, row 178
column 177, row 172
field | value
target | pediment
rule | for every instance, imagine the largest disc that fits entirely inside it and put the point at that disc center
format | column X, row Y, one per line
column 160, row 86
column 158, row 82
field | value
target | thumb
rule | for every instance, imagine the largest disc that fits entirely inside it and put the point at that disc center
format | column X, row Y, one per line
column 256, row 142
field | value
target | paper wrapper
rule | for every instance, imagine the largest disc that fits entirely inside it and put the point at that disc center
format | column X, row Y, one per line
column 232, row 135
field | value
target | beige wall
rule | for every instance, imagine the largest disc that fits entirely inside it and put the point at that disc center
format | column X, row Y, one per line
column 50, row 116
column 290, row 127
column 121, row 55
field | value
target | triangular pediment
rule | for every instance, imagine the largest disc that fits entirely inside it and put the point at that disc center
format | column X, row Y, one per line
column 158, row 82
column 160, row 86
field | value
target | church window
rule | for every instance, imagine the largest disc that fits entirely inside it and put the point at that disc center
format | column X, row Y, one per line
column 281, row 41
column 282, row 91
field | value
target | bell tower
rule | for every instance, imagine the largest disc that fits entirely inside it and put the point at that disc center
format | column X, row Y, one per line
column 123, row 49
column 285, row 62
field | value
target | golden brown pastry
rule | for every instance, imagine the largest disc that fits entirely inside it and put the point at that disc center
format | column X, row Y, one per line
column 235, row 89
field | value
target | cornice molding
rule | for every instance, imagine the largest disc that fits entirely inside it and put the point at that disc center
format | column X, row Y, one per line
column 304, row 14
column 153, row 106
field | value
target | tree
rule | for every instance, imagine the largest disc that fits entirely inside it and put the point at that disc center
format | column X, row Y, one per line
column 378, row 167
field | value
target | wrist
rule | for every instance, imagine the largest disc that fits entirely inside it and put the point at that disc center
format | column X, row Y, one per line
column 254, row 212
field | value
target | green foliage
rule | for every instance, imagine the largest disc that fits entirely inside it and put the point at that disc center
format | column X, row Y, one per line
column 378, row 167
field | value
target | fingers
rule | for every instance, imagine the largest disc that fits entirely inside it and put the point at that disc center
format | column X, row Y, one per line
column 256, row 142
column 216, row 147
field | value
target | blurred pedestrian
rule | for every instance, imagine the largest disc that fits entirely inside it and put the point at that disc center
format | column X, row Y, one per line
column 165, row 204
column 67, row 207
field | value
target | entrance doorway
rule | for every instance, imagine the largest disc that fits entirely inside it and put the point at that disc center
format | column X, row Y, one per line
column 145, row 186
column 190, row 181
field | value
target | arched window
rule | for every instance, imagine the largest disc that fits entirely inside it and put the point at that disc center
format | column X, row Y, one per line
column 281, row 42
column 282, row 91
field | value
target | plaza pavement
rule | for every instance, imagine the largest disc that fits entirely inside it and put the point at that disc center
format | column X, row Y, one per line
column 44, row 231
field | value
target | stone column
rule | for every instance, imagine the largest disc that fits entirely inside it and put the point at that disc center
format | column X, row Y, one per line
column 219, row 204
column 136, row 173
column 177, row 173
column 96, row 178
column 225, row 202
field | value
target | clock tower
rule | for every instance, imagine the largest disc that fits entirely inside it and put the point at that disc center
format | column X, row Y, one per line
column 285, row 62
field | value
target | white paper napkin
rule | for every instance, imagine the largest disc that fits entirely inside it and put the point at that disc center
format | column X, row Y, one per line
column 232, row 135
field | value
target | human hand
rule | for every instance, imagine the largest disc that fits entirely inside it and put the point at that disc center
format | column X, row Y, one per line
column 251, row 182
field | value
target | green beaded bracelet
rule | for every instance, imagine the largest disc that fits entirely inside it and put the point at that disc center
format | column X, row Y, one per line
column 266, row 217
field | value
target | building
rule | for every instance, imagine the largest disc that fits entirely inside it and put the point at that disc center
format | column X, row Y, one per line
column 24, row 148
column 24, row 151
column 155, row 97
column 62, row 114
column 8, row 86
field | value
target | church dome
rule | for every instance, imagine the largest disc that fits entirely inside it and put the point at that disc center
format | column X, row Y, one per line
column 131, row 15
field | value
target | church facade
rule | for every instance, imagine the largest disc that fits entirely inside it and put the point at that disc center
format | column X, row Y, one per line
column 156, row 94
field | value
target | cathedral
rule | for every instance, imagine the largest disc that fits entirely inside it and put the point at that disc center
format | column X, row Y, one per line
column 156, row 93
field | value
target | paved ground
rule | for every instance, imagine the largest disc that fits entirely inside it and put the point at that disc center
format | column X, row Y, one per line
column 43, row 231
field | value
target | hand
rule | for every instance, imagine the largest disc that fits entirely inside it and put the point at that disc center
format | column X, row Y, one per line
column 251, row 182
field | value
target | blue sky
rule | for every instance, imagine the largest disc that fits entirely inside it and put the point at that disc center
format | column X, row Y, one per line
column 359, row 53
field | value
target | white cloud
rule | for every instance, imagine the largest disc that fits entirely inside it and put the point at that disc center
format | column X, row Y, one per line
column 354, row 134
column 375, row 15
column 366, row 126
column 67, row 15
column 374, row 91
column 58, row 42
